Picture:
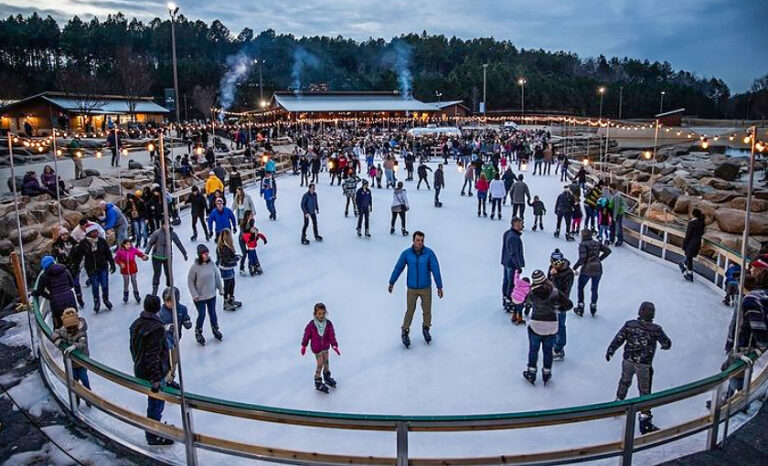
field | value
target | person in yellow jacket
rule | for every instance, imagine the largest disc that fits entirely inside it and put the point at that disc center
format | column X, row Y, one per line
column 212, row 184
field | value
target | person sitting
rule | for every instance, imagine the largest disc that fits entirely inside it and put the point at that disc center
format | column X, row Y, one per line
column 31, row 187
column 50, row 179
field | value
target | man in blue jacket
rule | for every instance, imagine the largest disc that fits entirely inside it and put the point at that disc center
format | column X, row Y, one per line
column 511, row 258
column 114, row 220
column 364, row 202
column 310, row 208
column 421, row 262
column 223, row 217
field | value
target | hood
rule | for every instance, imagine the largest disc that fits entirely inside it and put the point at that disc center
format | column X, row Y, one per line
column 542, row 291
column 109, row 205
column 56, row 270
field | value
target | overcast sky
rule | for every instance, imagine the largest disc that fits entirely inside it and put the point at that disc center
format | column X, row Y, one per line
column 723, row 38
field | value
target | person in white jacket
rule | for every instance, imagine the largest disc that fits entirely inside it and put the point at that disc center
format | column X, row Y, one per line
column 399, row 208
column 497, row 191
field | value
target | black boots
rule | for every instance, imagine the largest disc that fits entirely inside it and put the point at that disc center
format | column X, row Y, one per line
column 199, row 336
column 329, row 380
column 107, row 304
column 646, row 424
column 320, row 386
column 96, row 305
column 125, row 297
column 530, row 375
column 216, row 333
column 406, row 338
column 427, row 336
column 137, row 297
column 153, row 439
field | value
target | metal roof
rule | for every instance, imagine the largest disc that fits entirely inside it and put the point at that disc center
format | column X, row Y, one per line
column 108, row 106
column 447, row 103
column 351, row 103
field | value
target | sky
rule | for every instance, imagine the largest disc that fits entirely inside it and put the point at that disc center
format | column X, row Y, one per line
column 720, row 38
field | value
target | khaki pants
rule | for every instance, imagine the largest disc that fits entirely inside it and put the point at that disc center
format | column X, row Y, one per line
column 426, row 306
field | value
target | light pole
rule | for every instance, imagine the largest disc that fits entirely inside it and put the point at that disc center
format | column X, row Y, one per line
column 260, row 62
column 173, row 10
column 522, row 82
column 438, row 94
column 485, row 102
column 621, row 99
column 601, row 91
column 661, row 104
column 653, row 166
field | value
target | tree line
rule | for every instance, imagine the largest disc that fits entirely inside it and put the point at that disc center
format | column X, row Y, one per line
column 130, row 57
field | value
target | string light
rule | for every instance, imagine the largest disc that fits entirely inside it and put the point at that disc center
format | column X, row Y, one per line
column 647, row 154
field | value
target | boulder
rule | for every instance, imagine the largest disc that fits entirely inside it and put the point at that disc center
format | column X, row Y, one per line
column 69, row 203
column 667, row 195
column 97, row 192
column 28, row 234
column 91, row 172
column 732, row 221
column 643, row 167
column 758, row 205
column 717, row 183
column 19, row 182
column 700, row 173
column 719, row 196
column 81, row 195
column 728, row 170
column 707, row 208
column 71, row 219
column 682, row 205
column 642, row 177
column 761, row 194
column 660, row 213
column 6, row 247
column 668, row 169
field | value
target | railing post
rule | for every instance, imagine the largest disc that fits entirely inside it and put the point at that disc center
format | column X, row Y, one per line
column 402, row 443
column 189, row 436
column 70, row 381
column 628, row 442
column 640, row 236
column 715, row 407
column 664, row 246
column 725, row 267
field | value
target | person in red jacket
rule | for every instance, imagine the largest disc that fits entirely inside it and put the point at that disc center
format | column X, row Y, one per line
column 251, row 238
column 482, row 186
column 321, row 337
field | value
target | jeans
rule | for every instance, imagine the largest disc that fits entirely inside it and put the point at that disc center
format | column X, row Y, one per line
column 81, row 374
column 508, row 282
column 560, row 338
column 536, row 341
column 271, row 206
column 253, row 258
column 156, row 264
column 583, row 279
column 604, row 233
column 567, row 218
column 496, row 206
column 243, row 252
column 312, row 217
column 617, row 232
column 363, row 216
column 437, row 194
column 201, row 219
column 518, row 209
column 139, row 227
column 418, row 185
column 467, row 182
column 154, row 411
column 537, row 167
column 201, row 306
column 481, row 199
column 394, row 218
column 589, row 216
column 121, row 233
column 100, row 278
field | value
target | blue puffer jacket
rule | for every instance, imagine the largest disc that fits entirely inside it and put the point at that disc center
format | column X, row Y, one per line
column 223, row 219
column 113, row 218
column 419, row 268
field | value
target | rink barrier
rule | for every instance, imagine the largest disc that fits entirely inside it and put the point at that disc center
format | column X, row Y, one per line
column 722, row 409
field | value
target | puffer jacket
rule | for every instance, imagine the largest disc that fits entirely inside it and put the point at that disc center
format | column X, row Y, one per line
column 639, row 338
column 55, row 284
column 316, row 342
column 563, row 279
column 79, row 339
column 591, row 255
column 95, row 260
column 149, row 347
column 421, row 267
column 546, row 301
column 564, row 203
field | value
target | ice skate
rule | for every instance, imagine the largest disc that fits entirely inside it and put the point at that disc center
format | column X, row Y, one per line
column 80, row 302
column 688, row 276
column 646, row 424
column 304, row 241
column 96, row 306
column 593, row 309
column 330, row 381
column 193, row 238
column 367, row 233
column 320, row 386
column 507, row 304
column 463, row 194
column 569, row 237
column 125, row 297
column 427, row 336
column 318, row 238
column 557, row 233
column 546, row 374
column 519, row 319
column 359, row 233
column 236, row 303
column 406, row 339
column 492, row 216
column 107, row 303
column 346, row 213
column 216, row 333
column 530, row 375
column 405, row 232
column 391, row 231
column 228, row 305
column 242, row 271
column 485, row 214
column 579, row 310
column 137, row 297
column 558, row 355
column 258, row 268
column 534, row 227
column 156, row 440
column 199, row 336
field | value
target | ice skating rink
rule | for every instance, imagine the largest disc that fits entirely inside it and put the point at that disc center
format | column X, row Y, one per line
column 475, row 361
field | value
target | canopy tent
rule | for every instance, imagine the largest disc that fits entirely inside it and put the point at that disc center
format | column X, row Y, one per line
column 449, row 131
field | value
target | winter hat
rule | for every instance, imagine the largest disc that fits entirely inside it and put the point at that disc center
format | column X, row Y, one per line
column 91, row 228
column 151, row 303
column 201, row 249
column 63, row 231
column 557, row 256
column 103, row 204
column 538, row 277
column 211, row 173
column 138, row 193
column 47, row 261
column 69, row 318
column 647, row 311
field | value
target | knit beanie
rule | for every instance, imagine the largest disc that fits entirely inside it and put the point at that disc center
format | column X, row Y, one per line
column 151, row 303
column 557, row 256
column 647, row 311
column 70, row 318
column 538, row 277
column 201, row 248
column 91, row 228
column 63, row 231
column 46, row 262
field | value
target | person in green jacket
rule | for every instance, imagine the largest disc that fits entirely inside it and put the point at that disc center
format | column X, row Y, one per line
column 619, row 209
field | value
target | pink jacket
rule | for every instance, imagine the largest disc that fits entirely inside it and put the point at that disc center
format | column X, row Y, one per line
column 316, row 342
column 521, row 290
column 126, row 260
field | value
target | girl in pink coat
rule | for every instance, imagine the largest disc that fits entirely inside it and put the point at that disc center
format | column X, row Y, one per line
column 519, row 295
column 125, row 258
column 321, row 337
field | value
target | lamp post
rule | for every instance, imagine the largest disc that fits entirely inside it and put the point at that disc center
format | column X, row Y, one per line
column 522, row 82
column 485, row 102
column 653, row 166
column 56, row 169
column 621, row 99
column 260, row 62
column 601, row 91
column 438, row 94
column 661, row 104
column 173, row 10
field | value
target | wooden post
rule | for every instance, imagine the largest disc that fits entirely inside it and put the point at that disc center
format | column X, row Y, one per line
column 18, row 275
column 402, row 443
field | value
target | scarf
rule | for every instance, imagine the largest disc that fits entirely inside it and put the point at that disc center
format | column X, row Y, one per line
column 93, row 242
column 320, row 326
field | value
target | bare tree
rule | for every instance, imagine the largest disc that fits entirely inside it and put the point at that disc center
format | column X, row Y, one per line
column 203, row 99
column 85, row 91
column 135, row 77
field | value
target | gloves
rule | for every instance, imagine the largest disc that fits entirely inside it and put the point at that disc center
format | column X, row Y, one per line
column 185, row 257
column 155, row 387
column 336, row 349
column 69, row 349
column 111, row 268
column 608, row 356
column 187, row 324
column 303, row 350
column 265, row 242
column 234, row 229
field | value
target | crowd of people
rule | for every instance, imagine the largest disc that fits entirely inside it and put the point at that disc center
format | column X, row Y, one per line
column 359, row 160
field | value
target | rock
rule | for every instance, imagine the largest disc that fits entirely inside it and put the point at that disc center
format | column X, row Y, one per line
column 761, row 194
column 707, row 208
column 732, row 221
column 660, row 213
column 81, row 183
column 700, row 173
column 717, row 183
column 758, row 205
column 643, row 167
column 700, row 190
column 28, row 234
column 719, row 197
column 682, row 205
column 97, row 192
column 668, row 169
column 728, row 170
column 81, row 195
column 91, row 172
column 71, row 219
column 667, row 195
column 6, row 247
column 69, row 203
column 642, row 177
column 19, row 182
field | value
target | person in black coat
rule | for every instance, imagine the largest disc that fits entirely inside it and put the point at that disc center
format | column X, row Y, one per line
column 512, row 258
column 96, row 255
column 199, row 206
column 564, row 211
column 561, row 275
column 364, row 202
column 151, row 361
column 235, row 181
column 439, row 183
column 692, row 243
column 55, row 284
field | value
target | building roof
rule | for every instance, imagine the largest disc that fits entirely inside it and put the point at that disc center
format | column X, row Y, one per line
column 448, row 103
column 350, row 102
column 108, row 104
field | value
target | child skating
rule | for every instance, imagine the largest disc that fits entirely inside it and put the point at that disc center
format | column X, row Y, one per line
column 538, row 213
column 125, row 258
column 321, row 337
column 251, row 238
column 519, row 295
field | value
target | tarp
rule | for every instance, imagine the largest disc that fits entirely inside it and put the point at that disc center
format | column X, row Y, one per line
column 418, row 132
column 307, row 103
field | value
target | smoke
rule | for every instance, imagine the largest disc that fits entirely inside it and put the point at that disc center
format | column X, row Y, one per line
column 301, row 60
column 400, row 62
column 238, row 67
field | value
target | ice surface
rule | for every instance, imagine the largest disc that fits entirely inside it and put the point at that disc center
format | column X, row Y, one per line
column 473, row 365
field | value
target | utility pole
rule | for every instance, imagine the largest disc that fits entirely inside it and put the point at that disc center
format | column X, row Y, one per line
column 485, row 102
column 621, row 99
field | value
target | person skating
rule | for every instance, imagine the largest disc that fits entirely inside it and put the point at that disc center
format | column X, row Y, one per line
column 113, row 219
column 364, row 201
column 639, row 337
column 497, row 191
column 94, row 252
column 399, row 208
column 520, row 196
column 546, row 301
column 522, row 287
column 422, row 172
column 469, row 178
column 56, row 285
column 226, row 259
column 482, row 185
column 692, row 243
column 310, row 208
column 509, row 179
column 73, row 334
column 242, row 203
column 321, row 337
column 619, row 205
column 203, row 280
column 539, row 210
column 349, row 188
column 591, row 255
column 63, row 248
column 561, row 275
column 732, row 277
column 604, row 220
column 268, row 191
column 166, row 315
column 564, row 210
column 512, row 259
column 251, row 236
column 590, row 205
column 213, row 184
column 151, row 362
column 161, row 253
column 422, row 266
column 125, row 258
column 224, row 219
column 576, row 216
column 439, row 184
